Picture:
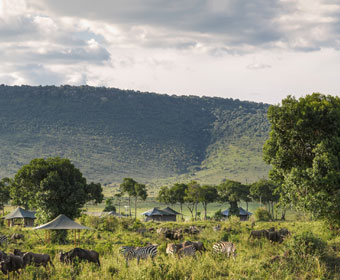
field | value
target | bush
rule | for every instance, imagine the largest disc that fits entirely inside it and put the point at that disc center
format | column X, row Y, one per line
column 262, row 214
column 307, row 244
column 218, row 215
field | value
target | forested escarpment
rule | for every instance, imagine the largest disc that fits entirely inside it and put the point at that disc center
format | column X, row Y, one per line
column 111, row 134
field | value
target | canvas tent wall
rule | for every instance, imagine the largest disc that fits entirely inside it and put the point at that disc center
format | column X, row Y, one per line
column 243, row 214
column 20, row 216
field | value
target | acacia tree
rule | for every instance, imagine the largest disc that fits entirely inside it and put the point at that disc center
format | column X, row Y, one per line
column 303, row 149
column 208, row 194
column 53, row 186
column 140, row 192
column 232, row 192
column 192, row 197
column 178, row 192
column 264, row 191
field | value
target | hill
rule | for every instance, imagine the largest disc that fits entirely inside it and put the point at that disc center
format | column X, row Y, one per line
column 110, row 134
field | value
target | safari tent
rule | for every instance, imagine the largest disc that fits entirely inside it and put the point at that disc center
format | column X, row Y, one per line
column 159, row 215
column 20, row 216
column 62, row 222
column 243, row 214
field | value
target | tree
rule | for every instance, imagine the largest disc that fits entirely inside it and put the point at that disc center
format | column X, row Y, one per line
column 232, row 192
column 53, row 186
column 192, row 197
column 178, row 192
column 265, row 191
column 128, row 187
column 4, row 193
column 109, row 205
column 133, row 189
column 118, row 197
column 141, row 193
column 303, row 149
column 164, row 196
column 208, row 194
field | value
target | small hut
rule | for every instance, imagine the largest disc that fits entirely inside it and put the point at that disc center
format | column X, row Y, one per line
column 243, row 214
column 20, row 216
column 159, row 215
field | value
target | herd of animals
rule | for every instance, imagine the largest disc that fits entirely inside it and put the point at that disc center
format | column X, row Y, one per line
column 18, row 260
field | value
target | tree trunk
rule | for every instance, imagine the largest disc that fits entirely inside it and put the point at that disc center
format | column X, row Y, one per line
column 205, row 205
column 130, row 206
column 135, row 207
column 247, row 205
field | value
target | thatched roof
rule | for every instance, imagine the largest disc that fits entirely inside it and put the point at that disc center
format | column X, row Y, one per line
column 171, row 211
column 158, row 212
column 61, row 222
column 20, row 213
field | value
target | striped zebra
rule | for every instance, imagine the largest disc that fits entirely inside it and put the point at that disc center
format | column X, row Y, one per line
column 227, row 248
column 3, row 239
column 139, row 252
column 187, row 251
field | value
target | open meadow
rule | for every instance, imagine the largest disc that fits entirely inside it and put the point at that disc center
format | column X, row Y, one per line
column 311, row 251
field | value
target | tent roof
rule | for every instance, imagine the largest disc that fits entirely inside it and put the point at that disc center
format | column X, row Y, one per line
column 171, row 211
column 242, row 212
column 155, row 212
column 20, row 213
column 61, row 222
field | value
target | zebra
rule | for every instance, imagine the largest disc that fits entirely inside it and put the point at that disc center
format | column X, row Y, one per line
column 130, row 252
column 222, row 247
column 3, row 239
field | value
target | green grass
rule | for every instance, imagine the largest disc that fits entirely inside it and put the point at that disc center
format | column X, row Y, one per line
column 253, row 261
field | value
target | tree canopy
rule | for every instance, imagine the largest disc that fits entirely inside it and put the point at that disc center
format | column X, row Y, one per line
column 53, row 186
column 304, row 151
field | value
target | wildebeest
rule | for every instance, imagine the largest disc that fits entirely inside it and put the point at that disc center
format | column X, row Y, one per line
column 81, row 254
column 11, row 263
column 18, row 252
column 3, row 256
column 172, row 248
column 187, row 251
column 284, row 232
column 199, row 246
column 259, row 234
column 37, row 259
column 275, row 236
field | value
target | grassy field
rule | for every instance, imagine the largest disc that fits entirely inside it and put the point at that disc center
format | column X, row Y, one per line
column 256, row 259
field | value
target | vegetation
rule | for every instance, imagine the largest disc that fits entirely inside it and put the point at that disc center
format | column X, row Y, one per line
column 111, row 134
column 303, row 149
column 256, row 259
column 53, row 186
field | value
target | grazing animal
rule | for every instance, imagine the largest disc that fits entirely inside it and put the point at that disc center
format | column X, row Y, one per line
column 3, row 256
column 37, row 259
column 227, row 248
column 12, row 263
column 259, row 234
column 187, row 251
column 139, row 252
column 17, row 252
column 172, row 248
column 3, row 239
column 284, row 232
column 199, row 246
column 81, row 254
column 275, row 236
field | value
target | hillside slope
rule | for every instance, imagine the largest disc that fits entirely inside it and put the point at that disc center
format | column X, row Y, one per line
column 111, row 134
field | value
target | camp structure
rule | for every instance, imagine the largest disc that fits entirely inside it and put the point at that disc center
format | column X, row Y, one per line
column 159, row 215
column 62, row 222
column 20, row 216
column 243, row 214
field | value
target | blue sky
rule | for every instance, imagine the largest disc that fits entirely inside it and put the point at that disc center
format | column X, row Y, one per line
column 259, row 50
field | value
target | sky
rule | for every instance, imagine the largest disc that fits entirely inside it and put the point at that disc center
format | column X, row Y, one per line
column 257, row 50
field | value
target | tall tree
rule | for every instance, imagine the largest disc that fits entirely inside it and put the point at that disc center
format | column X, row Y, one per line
column 140, row 192
column 208, row 194
column 192, row 197
column 265, row 191
column 4, row 193
column 128, row 187
column 303, row 149
column 53, row 186
column 231, row 192
column 118, row 196
column 178, row 192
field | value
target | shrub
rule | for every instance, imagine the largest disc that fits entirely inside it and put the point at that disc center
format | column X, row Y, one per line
column 262, row 214
column 109, row 223
column 307, row 244
column 218, row 215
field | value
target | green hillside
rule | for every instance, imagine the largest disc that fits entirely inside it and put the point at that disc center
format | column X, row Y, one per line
column 111, row 134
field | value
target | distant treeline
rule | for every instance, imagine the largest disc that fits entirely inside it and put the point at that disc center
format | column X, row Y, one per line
column 110, row 134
